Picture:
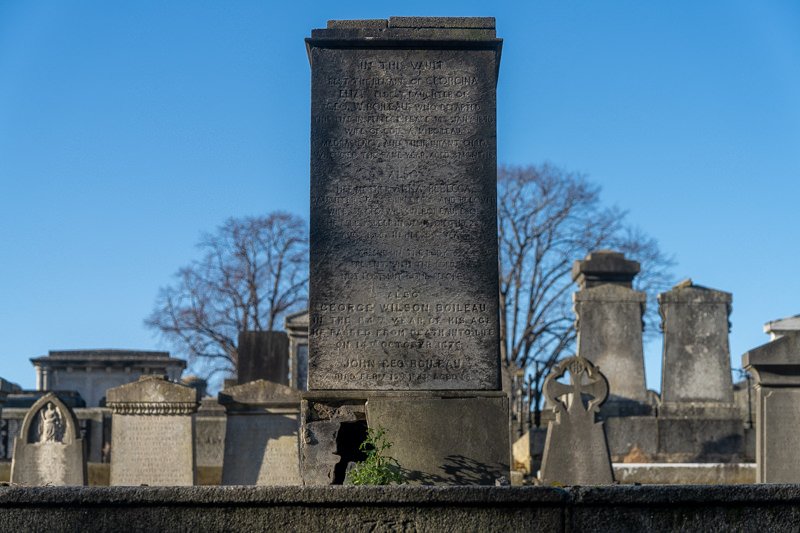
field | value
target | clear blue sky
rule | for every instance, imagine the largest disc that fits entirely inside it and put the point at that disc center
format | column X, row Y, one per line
column 128, row 128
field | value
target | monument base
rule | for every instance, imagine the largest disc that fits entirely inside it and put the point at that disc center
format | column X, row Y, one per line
column 438, row 437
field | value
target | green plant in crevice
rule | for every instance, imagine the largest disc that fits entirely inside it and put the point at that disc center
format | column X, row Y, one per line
column 378, row 468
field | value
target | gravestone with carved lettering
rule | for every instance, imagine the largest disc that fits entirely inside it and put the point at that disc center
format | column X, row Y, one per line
column 575, row 450
column 152, row 433
column 49, row 450
column 403, row 303
column 261, row 435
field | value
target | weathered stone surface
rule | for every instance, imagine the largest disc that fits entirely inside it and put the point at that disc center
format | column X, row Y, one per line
column 455, row 441
column 209, row 441
column 263, row 355
column 776, row 367
column 603, row 267
column 697, row 366
column 49, row 450
column 261, row 438
column 403, row 206
column 609, row 323
column 773, row 508
column 778, row 328
column 576, row 452
column 152, row 433
column 685, row 473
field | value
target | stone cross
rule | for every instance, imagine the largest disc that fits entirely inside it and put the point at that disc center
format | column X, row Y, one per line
column 576, row 452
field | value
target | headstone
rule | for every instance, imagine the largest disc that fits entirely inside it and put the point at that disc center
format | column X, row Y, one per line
column 261, row 437
column 152, row 433
column 209, row 441
column 49, row 450
column 609, row 323
column 404, row 284
column 776, row 368
column 403, row 262
column 696, row 372
column 575, row 451
column 263, row 355
column 297, row 328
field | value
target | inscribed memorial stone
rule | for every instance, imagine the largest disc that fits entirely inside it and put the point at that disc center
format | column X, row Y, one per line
column 152, row 433
column 403, row 205
column 261, row 435
column 49, row 450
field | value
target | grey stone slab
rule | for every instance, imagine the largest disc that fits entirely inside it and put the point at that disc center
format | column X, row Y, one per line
column 49, row 450
column 152, row 433
column 261, row 436
column 262, row 448
column 609, row 319
column 696, row 364
column 442, row 22
column 456, row 441
column 403, row 291
column 263, row 355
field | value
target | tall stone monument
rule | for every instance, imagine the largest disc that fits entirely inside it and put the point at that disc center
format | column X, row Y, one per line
column 152, row 433
column 49, row 450
column 609, row 323
column 403, row 301
column 696, row 372
column 776, row 368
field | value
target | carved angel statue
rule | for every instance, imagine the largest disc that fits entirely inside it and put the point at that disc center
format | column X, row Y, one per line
column 50, row 425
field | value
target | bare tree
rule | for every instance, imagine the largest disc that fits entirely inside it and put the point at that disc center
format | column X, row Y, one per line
column 548, row 218
column 254, row 270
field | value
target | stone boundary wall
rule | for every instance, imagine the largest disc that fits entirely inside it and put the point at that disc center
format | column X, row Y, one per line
column 771, row 508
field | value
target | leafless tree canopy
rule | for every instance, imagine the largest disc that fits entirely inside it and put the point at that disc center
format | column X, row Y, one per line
column 548, row 218
column 254, row 270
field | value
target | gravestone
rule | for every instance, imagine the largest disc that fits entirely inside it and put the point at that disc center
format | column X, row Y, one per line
column 152, row 433
column 778, row 328
column 609, row 323
column 696, row 372
column 575, row 450
column 776, row 368
column 261, row 436
column 263, row 355
column 49, row 450
column 403, row 303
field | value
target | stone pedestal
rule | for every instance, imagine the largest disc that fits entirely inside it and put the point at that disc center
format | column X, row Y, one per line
column 609, row 323
column 49, row 450
column 454, row 437
column 152, row 433
column 261, row 436
column 776, row 367
column 403, row 303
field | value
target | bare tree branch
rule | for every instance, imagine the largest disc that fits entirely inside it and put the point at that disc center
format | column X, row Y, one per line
column 254, row 270
column 548, row 218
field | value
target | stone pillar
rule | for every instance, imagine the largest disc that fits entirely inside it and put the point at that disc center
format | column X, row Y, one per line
column 696, row 371
column 609, row 322
column 776, row 368
column 152, row 433
column 296, row 326
column 403, row 304
column 263, row 355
